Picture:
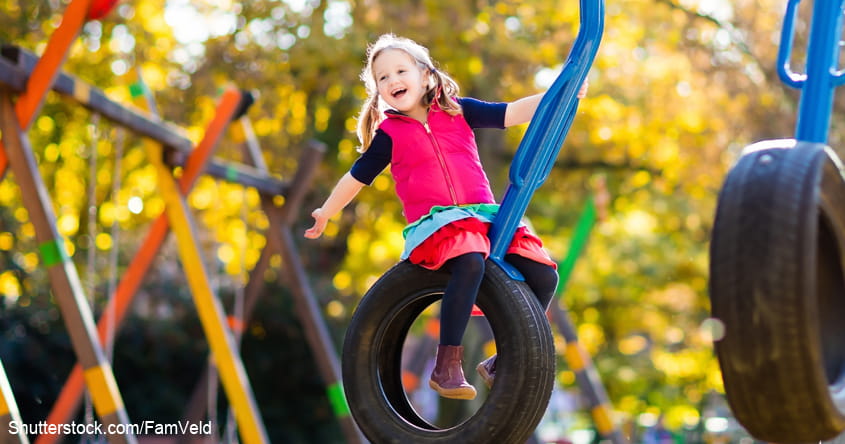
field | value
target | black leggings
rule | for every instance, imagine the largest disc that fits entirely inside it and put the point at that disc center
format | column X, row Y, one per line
column 467, row 272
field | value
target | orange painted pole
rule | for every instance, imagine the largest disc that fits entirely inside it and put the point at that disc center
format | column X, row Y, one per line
column 47, row 69
column 71, row 394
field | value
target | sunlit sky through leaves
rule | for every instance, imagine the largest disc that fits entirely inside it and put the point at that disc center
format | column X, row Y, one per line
column 192, row 26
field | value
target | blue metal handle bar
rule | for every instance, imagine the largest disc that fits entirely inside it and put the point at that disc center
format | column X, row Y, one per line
column 817, row 86
column 538, row 150
column 786, row 38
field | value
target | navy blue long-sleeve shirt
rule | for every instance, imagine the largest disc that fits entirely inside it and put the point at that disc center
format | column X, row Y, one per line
column 477, row 113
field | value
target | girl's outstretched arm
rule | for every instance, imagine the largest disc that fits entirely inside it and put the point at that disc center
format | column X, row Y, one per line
column 522, row 110
column 343, row 193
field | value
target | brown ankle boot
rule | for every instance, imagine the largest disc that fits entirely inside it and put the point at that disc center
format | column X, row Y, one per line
column 487, row 370
column 447, row 379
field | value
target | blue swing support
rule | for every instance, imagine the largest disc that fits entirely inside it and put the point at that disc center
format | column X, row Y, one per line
column 823, row 76
column 536, row 154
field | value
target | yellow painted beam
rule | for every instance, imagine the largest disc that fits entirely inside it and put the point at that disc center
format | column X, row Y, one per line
column 575, row 356
column 103, row 389
column 602, row 419
column 210, row 310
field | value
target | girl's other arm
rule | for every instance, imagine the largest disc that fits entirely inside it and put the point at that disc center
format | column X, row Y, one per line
column 343, row 193
column 522, row 110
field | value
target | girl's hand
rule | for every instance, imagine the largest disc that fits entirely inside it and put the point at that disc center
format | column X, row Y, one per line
column 320, row 221
column 583, row 91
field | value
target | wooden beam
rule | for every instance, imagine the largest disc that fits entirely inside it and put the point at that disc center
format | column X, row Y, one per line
column 63, row 275
column 16, row 63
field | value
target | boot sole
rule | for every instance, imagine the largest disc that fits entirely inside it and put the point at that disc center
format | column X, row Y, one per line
column 465, row 393
column 487, row 377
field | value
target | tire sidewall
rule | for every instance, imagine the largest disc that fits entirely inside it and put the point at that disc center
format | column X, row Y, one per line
column 372, row 348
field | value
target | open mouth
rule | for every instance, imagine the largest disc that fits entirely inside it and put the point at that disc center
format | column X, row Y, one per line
column 398, row 93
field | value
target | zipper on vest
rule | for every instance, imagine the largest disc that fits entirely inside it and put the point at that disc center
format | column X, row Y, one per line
column 442, row 164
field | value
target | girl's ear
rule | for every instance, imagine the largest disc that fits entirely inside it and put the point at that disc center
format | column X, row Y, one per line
column 431, row 79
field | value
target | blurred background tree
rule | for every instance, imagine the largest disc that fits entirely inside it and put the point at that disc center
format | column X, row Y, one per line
column 678, row 88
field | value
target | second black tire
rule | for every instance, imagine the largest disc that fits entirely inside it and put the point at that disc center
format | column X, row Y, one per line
column 372, row 353
column 776, row 284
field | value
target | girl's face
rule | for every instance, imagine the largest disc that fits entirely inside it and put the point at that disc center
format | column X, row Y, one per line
column 400, row 82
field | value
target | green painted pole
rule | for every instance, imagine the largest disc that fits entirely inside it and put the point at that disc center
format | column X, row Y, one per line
column 576, row 356
column 576, row 246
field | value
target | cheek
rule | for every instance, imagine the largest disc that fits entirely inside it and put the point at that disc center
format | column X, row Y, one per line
column 382, row 91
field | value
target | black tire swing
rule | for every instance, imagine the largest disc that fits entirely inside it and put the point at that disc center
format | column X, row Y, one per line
column 777, row 285
column 372, row 349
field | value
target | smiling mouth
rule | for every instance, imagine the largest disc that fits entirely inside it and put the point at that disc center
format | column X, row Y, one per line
column 398, row 93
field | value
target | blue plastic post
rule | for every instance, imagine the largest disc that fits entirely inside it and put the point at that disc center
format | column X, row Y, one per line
column 822, row 77
column 538, row 150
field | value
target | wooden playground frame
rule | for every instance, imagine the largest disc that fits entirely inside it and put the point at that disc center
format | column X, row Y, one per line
column 28, row 79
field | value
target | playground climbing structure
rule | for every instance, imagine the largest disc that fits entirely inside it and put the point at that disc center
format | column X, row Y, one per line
column 25, row 80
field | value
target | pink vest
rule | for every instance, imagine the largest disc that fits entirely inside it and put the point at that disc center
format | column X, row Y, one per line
column 435, row 165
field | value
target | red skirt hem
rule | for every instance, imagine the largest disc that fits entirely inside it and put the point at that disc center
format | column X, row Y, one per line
column 470, row 236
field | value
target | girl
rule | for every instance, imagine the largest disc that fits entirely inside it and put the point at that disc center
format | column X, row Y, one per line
column 425, row 136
